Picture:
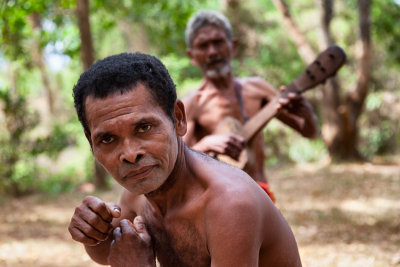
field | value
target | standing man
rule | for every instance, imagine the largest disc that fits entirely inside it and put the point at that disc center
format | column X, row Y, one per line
column 170, row 208
column 211, row 47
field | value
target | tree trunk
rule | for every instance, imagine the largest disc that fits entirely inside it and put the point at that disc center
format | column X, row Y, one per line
column 87, row 57
column 334, row 129
column 37, row 57
column 340, row 115
column 135, row 36
column 343, row 122
column 87, row 50
column 303, row 46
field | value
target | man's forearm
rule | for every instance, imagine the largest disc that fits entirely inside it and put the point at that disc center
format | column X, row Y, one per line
column 310, row 127
column 302, row 120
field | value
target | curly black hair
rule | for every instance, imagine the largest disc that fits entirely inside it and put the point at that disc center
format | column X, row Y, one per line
column 121, row 73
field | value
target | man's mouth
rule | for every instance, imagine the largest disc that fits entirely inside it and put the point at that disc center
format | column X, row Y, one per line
column 215, row 63
column 138, row 173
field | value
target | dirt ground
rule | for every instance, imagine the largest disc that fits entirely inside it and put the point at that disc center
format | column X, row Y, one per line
column 341, row 215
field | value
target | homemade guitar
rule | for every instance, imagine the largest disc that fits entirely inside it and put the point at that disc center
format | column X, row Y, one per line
column 324, row 66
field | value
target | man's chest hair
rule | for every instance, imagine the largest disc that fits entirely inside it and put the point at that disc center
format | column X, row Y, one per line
column 177, row 242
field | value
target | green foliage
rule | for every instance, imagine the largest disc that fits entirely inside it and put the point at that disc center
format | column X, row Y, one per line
column 163, row 21
column 386, row 28
column 16, row 29
column 285, row 145
column 19, row 149
column 305, row 150
column 41, row 162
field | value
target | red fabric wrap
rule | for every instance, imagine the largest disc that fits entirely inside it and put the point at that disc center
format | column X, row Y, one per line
column 265, row 186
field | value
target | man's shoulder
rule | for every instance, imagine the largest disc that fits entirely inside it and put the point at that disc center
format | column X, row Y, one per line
column 252, row 80
column 193, row 95
column 190, row 97
column 256, row 87
column 236, row 205
column 236, row 192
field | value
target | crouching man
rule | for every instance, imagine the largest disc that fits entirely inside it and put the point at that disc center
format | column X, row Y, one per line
column 178, row 206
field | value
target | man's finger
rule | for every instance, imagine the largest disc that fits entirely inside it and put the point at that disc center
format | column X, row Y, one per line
column 79, row 236
column 141, row 230
column 117, row 234
column 283, row 101
column 97, row 222
column 114, row 209
column 126, row 226
column 99, row 207
column 88, row 229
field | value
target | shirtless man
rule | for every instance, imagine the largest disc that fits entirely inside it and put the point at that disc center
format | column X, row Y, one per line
column 178, row 205
column 211, row 47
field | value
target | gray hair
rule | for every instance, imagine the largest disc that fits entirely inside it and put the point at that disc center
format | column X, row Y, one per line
column 204, row 18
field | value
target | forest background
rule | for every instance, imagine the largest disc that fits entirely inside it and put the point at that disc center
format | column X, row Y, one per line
column 338, row 192
column 45, row 45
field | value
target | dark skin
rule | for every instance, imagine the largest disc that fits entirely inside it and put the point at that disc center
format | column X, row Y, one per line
column 216, row 99
column 170, row 207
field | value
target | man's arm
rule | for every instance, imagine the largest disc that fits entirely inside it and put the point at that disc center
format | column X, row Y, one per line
column 298, row 113
column 248, row 230
column 233, row 232
column 294, row 110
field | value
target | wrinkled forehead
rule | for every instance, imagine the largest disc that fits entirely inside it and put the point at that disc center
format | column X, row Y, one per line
column 209, row 25
column 138, row 94
column 209, row 31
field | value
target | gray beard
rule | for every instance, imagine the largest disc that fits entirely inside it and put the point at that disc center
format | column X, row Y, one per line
column 219, row 73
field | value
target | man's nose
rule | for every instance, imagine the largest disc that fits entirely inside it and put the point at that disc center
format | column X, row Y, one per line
column 131, row 152
column 212, row 50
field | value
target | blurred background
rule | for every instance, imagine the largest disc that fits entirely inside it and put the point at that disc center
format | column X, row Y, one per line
column 46, row 165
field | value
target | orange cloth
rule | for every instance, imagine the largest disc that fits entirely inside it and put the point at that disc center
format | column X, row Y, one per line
column 265, row 186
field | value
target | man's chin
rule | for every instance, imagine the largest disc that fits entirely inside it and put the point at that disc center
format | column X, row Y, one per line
column 218, row 73
column 144, row 188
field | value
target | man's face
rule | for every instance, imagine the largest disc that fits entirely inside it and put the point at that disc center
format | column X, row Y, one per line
column 133, row 138
column 212, row 51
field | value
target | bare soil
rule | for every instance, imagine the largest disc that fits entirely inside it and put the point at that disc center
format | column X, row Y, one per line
column 341, row 215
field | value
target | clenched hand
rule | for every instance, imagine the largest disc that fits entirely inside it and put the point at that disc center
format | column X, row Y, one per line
column 131, row 245
column 91, row 222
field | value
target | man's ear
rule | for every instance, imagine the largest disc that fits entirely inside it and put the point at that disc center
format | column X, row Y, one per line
column 89, row 139
column 234, row 47
column 189, row 53
column 180, row 118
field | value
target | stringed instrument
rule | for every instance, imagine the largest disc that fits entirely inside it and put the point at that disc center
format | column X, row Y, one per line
column 323, row 67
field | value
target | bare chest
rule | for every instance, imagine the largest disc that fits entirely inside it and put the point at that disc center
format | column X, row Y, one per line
column 214, row 108
column 178, row 243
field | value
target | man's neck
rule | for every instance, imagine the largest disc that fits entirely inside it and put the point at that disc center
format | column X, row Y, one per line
column 173, row 192
column 222, row 82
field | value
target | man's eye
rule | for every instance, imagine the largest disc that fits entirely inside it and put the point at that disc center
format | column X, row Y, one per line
column 202, row 46
column 107, row 140
column 144, row 128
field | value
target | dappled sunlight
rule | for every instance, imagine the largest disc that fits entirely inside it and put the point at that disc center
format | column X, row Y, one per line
column 383, row 170
column 339, row 254
column 43, row 252
column 341, row 215
column 373, row 207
